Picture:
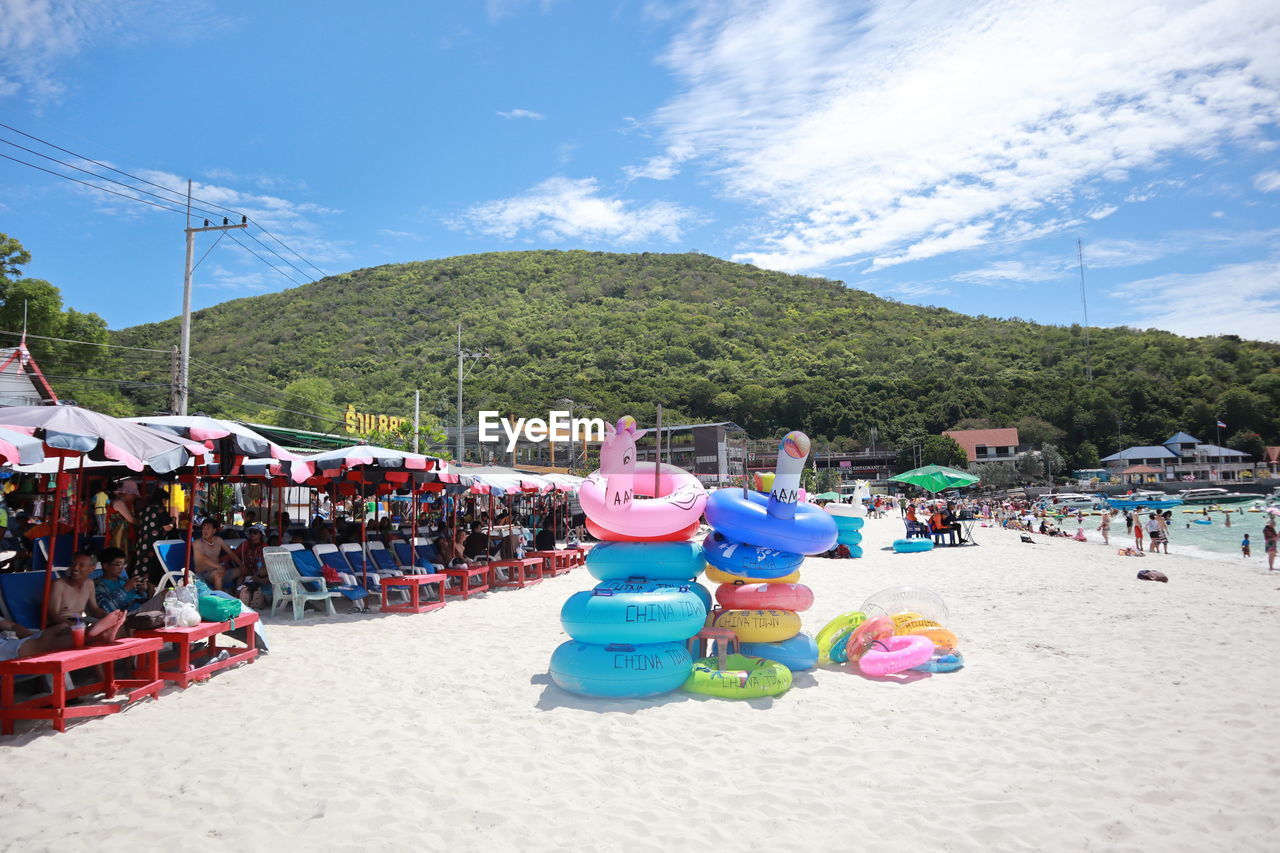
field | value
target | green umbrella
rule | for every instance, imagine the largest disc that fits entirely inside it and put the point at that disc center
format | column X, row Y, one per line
column 935, row 478
column 825, row 496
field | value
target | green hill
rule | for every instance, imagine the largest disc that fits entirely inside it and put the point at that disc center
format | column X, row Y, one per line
column 709, row 340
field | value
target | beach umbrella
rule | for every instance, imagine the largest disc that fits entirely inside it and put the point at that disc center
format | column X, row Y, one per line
column 825, row 496
column 935, row 478
column 72, row 431
column 238, row 440
column 16, row 448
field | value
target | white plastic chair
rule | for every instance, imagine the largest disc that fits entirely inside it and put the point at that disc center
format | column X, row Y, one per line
column 288, row 585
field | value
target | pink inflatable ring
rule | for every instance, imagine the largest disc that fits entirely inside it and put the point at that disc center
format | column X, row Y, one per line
column 609, row 503
column 764, row 596
column 895, row 654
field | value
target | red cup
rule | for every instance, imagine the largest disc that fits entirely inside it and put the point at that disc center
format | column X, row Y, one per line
column 77, row 636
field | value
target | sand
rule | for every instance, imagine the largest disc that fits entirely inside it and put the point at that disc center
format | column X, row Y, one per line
column 1097, row 712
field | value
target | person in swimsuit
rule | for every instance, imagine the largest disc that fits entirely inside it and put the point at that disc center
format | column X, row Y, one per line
column 1137, row 532
column 210, row 555
column 1269, row 536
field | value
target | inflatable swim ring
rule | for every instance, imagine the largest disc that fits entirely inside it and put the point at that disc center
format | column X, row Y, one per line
column 1202, row 521
column 613, row 508
column 716, row 576
column 604, row 534
column 894, row 655
column 855, row 551
column 764, row 596
column 619, row 670
column 840, row 626
column 912, row 546
column 742, row 678
column 942, row 662
column 632, row 584
column 756, row 626
column 916, row 602
column 619, row 560
column 797, row 654
column 746, row 519
column 749, row 561
column 846, row 516
column 939, row 636
column 652, row 613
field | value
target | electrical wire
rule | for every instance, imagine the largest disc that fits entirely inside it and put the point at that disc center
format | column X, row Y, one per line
column 264, row 260
column 72, row 341
column 93, row 186
column 161, row 187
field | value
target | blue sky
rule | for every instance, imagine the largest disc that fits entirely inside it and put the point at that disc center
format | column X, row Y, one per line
column 936, row 153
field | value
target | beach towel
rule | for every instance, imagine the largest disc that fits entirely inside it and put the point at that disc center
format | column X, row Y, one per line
column 1153, row 575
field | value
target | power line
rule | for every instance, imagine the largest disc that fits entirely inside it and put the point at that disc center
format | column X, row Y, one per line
column 180, row 195
column 93, row 186
column 100, row 177
column 264, row 260
column 71, row 341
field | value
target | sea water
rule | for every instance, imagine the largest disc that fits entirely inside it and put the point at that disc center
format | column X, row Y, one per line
column 1214, row 541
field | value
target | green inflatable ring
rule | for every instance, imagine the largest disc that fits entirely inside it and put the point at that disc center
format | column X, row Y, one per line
column 742, row 678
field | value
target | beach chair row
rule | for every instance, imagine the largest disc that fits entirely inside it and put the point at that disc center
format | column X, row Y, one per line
column 411, row 578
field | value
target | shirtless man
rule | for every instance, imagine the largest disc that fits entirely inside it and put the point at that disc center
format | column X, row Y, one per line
column 210, row 553
column 72, row 597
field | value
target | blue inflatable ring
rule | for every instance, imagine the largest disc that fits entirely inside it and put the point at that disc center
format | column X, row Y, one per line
column 748, row 561
column 609, row 561
column 944, row 662
column 849, row 522
column 634, row 585
column 619, row 670
column 911, row 546
column 651, row 613
column 849, row 537
column 746, row 519
column 796, row 654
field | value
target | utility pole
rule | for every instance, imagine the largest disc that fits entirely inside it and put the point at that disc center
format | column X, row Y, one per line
column 184, row 369
column 461, row 355
column 174, row 378
column 417, row 408
column 1088, row 363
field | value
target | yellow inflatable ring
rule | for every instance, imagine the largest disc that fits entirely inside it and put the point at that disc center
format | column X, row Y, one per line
column 906, row 626
column 757, row 626
column 903, row 618
column 742, row 678
column 837, row 630
column 717, row 576
column 940, row 637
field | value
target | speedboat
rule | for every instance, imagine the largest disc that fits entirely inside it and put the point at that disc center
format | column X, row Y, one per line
column 1220, row 497
column 1147, row 499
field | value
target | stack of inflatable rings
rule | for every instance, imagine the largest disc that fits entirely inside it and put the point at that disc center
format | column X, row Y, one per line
column 848, row 527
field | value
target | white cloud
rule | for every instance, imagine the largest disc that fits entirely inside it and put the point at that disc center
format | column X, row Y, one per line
column 903, row 131
column 518, row 113
column 913, row 290
column 1103, row 212
column 1006, row 271
column 1267, row 181
column 663, row 167
column 499, row 9
column 1238, row 299
column 37, row 36
column 563, row 208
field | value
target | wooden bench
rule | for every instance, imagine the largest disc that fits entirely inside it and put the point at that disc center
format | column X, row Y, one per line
column 414, row 584
column 522, row 573
column 466, row 576
column 181, row 672
column 58, row 665
column 556, row 562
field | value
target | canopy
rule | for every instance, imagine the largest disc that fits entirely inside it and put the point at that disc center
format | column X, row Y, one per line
column 506, row 481
column 17, row 448
column 329, row 462
column 241, row 440
column 825, row 496
column 935, row 478
column 101, row 437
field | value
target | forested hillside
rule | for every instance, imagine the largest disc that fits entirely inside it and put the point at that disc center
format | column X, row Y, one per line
column 709, row 340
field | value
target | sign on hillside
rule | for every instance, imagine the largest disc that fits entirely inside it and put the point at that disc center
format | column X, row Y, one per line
column 359, row 423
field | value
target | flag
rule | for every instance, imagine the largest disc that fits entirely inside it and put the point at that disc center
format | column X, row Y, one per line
column 1221, row 425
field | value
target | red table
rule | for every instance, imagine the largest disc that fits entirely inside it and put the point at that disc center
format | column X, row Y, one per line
column 557, row 562
column 183, row 638
column 57, row 665
column 414, row 583
column 466, row 574
column 517, row 577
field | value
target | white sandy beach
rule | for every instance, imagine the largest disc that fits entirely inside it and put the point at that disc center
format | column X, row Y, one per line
column 1097, row 712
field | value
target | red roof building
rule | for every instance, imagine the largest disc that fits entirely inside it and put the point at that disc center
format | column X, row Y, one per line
column 987, row 445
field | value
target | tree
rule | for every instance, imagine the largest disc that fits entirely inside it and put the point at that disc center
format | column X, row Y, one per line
column 308, row 404
column 1249, row 442
column 1086, row 456
column 1030, row 466
column 1037, row 432
column 996, row 475
column 13, row 257
column 826, row 480
column 943, row 450
column 1053, row 461
column 972, row 423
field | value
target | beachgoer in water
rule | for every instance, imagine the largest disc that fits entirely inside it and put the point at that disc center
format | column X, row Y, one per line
column 1269, row 537
column 1105, row 527
column 1244, row 546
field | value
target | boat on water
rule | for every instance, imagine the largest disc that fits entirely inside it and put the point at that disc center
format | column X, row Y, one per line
column 1219, row 497
column 1144, row 499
